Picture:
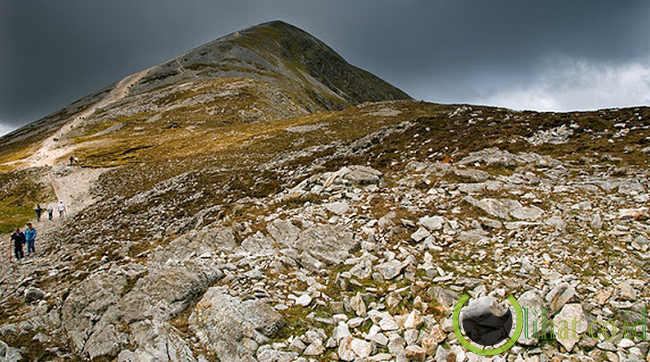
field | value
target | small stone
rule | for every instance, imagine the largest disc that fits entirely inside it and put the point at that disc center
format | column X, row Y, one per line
column 625, row 343
column 331, row 343
column 351, row 349
column 341, row 331
column 606, row 346
column 557, row 222
column 429, row 344
column 358, row 305
column 355, row 322
column 603, row 296
column 388, row 323
column 389, row 269
column 413, row 320
column 392, row 300
column 612, row 357
column 559, row 296
column 380, row 339
column 33, row 294
column 627, row 291
column 441, row 354
column 570, row 324
column 532, row 304
column 340, row 318
column 304, row 300
column 297, row 345
column 345, row 351
column 437, row 335
column 432, row 223
column 338, row 208
column 396, row 344
column 596, row 222
column 314, row 349
column 420, row 234
column 415, row 353
column 411, row 336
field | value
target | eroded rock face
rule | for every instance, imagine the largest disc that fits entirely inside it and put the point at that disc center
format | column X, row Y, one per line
column 86, row 304
column 102, row 314
column 156, row 341
column 233, row 328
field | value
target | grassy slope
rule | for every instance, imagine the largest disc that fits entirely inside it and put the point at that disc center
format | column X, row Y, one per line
column 20, row 192
column 221, row 169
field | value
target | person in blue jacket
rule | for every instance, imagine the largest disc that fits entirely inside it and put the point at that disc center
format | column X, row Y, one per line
column 30, row 238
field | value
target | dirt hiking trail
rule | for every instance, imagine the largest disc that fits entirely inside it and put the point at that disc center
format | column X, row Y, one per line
column 50, row 152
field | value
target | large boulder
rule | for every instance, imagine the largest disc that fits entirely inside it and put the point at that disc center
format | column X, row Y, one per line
column 198, row 242
column 494, row 156
column 330, row 244
column 344, row 177
column 362, row 175
column 506, row 208
column 102, row 315
column 9, row 354
column 232, row 328
column 258, row 244
column 88, row 301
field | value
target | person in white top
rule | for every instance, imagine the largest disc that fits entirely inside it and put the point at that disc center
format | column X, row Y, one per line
column 61, row 208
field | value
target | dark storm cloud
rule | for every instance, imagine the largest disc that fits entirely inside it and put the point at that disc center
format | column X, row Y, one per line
column 522, row 54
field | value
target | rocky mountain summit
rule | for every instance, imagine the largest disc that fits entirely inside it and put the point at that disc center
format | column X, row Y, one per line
column 297, row 211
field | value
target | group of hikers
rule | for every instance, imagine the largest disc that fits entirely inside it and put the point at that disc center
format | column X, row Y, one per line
column 50, row 211
column 20, row 238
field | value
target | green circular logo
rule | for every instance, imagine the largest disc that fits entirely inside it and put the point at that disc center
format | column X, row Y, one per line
column 487, row 351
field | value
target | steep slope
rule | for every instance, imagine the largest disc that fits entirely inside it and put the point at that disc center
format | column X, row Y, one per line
column 278, row 53
column 288, row 70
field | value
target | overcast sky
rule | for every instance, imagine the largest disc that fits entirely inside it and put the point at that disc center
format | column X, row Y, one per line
column 543, row 55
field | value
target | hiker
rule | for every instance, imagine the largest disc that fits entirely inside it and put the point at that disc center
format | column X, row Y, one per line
column 61, row 208
column 19, row 239
column 30, row 238
column 38, row 212
column 50, row 212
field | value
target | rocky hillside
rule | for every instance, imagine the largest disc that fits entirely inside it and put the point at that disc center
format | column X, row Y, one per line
column 233, row 217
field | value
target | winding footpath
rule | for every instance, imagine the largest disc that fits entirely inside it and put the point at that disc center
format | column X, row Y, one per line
column 70, row 184
column 50, row 152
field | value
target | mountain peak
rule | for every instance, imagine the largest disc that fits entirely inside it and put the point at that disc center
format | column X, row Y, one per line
column 279, row 53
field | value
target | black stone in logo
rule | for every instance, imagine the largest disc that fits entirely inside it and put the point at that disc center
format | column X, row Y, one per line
column 487, row 329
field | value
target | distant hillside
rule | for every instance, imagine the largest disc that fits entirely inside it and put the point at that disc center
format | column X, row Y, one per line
column 279, row 53
column 287, row 69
